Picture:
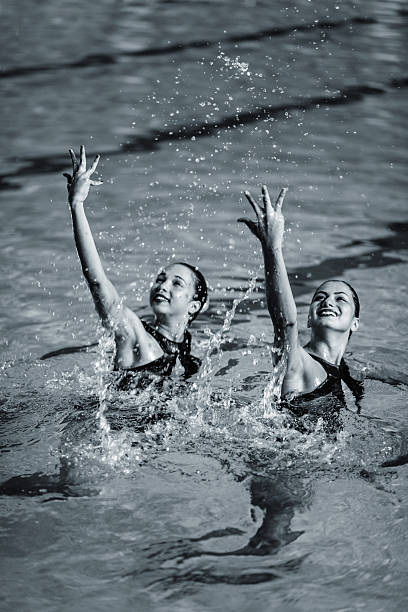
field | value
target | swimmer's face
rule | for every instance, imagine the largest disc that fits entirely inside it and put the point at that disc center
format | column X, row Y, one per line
column 333, row 307
column 173, row 291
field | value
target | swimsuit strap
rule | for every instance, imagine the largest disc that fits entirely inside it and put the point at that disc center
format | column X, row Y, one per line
column 342, row 372
column 355, row 386
column 182, row 349
column 169, row 346
column 330, row 368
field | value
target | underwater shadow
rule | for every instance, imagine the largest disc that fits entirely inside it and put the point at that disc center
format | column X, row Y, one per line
column 40, row 484
column 241, row 577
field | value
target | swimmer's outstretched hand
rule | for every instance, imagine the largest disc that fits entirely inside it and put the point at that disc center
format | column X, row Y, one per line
column 80, row 182
column 270, row 223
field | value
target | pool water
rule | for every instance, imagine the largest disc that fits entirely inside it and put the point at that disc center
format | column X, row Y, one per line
column 216, row 504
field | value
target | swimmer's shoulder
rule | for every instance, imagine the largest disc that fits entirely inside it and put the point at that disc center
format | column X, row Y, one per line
column 134, row 345
column 304, row 373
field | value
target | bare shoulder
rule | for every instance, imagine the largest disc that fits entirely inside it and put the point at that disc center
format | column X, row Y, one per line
column 304, row 373
column 134, row 345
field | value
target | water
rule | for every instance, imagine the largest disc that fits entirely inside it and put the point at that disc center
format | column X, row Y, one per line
column 219, row 505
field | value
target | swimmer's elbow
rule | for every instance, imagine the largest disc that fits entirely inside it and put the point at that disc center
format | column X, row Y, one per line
column 286, row 326
column 96, row 285
column 281, row 319
column 103, row 291
column 285, row 331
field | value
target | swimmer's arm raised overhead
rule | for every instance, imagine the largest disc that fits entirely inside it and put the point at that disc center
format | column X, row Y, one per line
column 113, row 314
column 105, row 296
column 269, row 229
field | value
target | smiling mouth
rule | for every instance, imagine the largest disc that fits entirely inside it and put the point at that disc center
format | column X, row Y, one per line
column 326, row 312
column 160, row 298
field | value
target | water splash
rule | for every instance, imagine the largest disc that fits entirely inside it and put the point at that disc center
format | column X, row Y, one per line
column 272, row 391
column 234, row 64
column 211, row 361
column 102, row 367
column 214, row 345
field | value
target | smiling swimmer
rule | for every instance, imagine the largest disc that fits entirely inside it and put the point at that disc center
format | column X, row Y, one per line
column 315, row 370
column 177, row 296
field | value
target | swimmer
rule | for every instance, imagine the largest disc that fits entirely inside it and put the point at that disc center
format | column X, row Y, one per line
column 316, row 369
column 177, row 296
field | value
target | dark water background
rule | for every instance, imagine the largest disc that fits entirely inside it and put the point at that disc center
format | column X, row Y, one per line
column 219, row 507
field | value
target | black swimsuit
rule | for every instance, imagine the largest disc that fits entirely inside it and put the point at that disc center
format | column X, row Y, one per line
column 164, row 365
column 328, row 398
column 331, row 385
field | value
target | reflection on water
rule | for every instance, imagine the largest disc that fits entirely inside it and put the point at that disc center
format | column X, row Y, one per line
column 201, row 496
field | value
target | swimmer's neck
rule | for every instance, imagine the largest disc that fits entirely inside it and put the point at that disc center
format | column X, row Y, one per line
column 172, row 329
column 329, row 349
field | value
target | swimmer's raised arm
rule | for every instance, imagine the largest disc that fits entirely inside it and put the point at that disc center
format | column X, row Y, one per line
column 269, row 229
column 104, row 294
column 332, row 315
column 127, row 326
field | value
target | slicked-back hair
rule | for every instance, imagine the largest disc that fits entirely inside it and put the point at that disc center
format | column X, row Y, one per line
column 200, row 289
column 353, row 293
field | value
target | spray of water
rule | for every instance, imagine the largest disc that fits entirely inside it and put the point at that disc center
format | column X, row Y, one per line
column 102, row 367
column 203, row 388
column 115, row 447
column 213, row 354
column 272, row 391
column 234, row 64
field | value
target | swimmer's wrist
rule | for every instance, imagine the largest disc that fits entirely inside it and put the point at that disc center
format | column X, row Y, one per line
column 76, row 205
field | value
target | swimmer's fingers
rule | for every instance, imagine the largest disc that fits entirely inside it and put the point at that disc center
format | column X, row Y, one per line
column 266, row 197
column 74, row 161
column 91, row 170
column 267, row 203
column 94, row 165
column 82, row 159
column 253, row 227
column 257, row 209
column 279, row 201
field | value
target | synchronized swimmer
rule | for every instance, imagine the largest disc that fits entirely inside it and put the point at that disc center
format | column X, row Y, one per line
column 317, row 369
column 177, row 296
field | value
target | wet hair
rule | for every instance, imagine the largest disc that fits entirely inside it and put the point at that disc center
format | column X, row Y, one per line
column 355, row 299
column 353, row 294
column 200, row 287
